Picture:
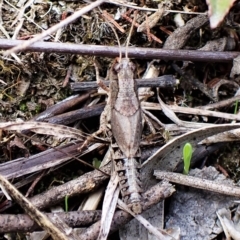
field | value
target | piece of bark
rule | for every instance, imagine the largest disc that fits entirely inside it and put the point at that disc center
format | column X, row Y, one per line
column 181, row 35
column 221, row 44
column 235, row 71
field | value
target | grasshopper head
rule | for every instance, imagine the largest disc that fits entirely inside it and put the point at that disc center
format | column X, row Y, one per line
column 124, row 64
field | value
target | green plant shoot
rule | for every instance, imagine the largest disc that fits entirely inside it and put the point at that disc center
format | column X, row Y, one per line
column 66, row 203
column 96, row 163
column 187, row 156
column 236, row 107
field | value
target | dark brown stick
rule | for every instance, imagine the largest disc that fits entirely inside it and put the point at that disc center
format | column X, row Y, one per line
column 166, row 81
column 72, row 116
column 133, row 52
column 62, row 106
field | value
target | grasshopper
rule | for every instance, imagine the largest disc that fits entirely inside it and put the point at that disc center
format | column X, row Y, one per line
column 126, row 124
column 123, row 110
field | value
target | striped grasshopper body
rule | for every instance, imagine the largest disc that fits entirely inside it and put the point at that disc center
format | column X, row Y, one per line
column 126, row 124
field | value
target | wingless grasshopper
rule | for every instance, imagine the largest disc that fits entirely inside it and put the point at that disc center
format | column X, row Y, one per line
column 124, row 112
column 126, row 124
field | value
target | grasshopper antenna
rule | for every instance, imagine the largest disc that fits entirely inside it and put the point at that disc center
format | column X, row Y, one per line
column 116, row 35
column 130, row 33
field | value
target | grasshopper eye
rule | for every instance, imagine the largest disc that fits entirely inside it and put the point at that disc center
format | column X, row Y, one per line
column 132, row 66
column 117, row 67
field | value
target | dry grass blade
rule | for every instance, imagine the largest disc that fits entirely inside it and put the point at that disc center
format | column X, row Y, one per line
column 229, row 136
column 168, row 112
column 44, row 128
column 195, row 111
column 109, row 206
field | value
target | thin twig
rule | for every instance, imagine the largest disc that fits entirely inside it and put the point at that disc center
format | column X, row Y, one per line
column 220, row 104
column 133, row 52
column 109, row 18
column 137, row 25
column 85, row 183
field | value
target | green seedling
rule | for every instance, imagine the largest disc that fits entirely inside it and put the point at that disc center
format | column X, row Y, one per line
column 96, row 163
column 187, row 156
column 66, row 203
column 236, row 107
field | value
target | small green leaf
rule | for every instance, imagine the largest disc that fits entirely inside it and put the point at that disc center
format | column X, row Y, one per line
column 218, row 10
column 187, row 156
column 96, row 163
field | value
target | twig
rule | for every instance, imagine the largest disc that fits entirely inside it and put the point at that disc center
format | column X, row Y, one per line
column 35, row 182
column 23, row 223
column 198, row 183
column 166, row 81
column 66, row 80
column 83, row 184
column 83, row 218
column 133, row 52
column 220, row 104
column 72, row 116
column 109, row 18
